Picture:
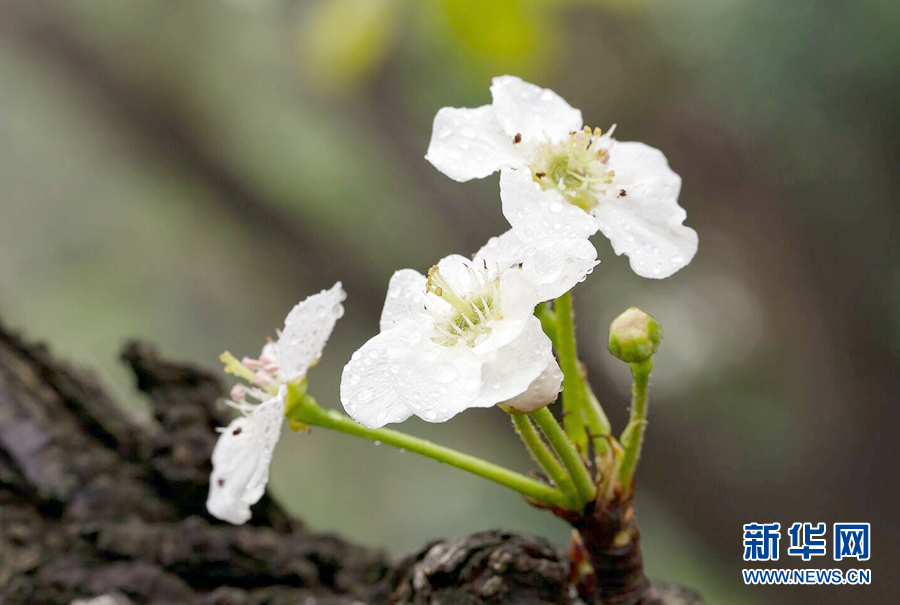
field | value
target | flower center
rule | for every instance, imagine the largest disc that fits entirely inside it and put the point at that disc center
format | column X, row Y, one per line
column 471, row 314
column 261, row 377
column 576, row 167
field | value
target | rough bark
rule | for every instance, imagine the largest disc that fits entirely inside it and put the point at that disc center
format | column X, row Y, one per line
column 95, row 503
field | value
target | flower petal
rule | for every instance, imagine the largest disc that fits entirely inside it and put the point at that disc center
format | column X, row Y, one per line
column 241, row 461
column 306, row 330
column 401, row 372
column 268, row 417
column 234, row 461
column 509, row 371
column 405, row 297
column 555, row 267
column 470, row 144
column 542, row 391
column 646, row 222
column 537, row 215
column 532, row 111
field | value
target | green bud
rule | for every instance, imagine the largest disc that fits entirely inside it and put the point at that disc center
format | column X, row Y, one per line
column 634, row 336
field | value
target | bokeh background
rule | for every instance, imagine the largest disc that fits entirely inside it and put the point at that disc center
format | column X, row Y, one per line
column 185, row 172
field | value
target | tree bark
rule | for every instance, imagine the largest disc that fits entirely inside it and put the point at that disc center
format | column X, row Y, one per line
column 95, row 503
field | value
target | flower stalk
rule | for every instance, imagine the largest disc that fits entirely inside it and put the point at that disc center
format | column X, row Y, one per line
column 583, row 416
column 303, row 409
column 632, row 437
column 585, row 488
column 544, row 457
column 573, row 384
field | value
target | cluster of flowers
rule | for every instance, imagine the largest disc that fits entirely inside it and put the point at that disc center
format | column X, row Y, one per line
column 464, row 335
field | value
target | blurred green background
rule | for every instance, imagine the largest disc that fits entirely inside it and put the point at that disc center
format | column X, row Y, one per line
column 186, row 171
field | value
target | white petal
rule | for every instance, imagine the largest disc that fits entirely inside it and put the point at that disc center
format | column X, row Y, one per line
column 268, row 417
column 504, row 251
column 405, row 296
column 459, row 270
column 470, row 144
column 517, row 305
column 532, row 111
column 511, row 369
column 553, row 266
column 646, row 223
column 516, row 296
column 241, row 461
column 307, row 328
column 537, row 215
column 542, row 391
column 556, row 267
column 401, row 372
column 234, row 461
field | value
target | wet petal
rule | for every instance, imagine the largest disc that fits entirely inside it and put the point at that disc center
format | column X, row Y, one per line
column 405, row 297
column 537, row 215
column 542, row 391
column 509, row 371
column 307, row 328
column 534, row 112
column 401, row 372
column 554, row 267
column 646, row 223
column 241, row 461
column 470, row 144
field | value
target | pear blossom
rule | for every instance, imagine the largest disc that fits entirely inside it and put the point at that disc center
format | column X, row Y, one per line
column 562, row 180
column 243, row 453
column 463, row 336
column 553, row 266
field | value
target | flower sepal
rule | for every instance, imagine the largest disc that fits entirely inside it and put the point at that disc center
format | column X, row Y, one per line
column 299, row 406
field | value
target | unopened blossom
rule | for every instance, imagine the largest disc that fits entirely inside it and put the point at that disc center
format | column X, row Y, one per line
column 245, row 447
column 463, row 336
column 563, row 180
column 553, row 266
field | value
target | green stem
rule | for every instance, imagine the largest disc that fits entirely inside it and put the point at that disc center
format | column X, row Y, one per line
column 571, row 459
column 633, row 436
column 573, row 385
column 544, row 457
column 582, row 409
column 304, row 409
column 597, row 422
column 547, row 318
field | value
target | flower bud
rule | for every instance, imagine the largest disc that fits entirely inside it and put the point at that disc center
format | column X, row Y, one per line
column 634, row 336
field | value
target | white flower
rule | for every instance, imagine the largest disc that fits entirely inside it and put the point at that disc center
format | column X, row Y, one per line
column 244, row 450
column 561, row 180
column 464, row 336
column 553, row 266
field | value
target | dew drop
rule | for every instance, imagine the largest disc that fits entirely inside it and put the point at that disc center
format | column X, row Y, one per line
column 555, row 207
column 446, row 132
